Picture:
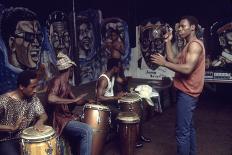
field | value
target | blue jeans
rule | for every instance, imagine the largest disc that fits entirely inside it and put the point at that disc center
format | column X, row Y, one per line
column 10, row 147
column 77, row 132
column 185, row 132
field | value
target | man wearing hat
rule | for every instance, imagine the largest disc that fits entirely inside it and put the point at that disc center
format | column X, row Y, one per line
column 61, row 96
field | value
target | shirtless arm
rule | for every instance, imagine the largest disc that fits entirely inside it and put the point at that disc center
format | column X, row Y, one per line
column 194, row 51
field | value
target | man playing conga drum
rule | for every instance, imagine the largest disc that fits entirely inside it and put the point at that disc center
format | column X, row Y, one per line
column 18, row 110
column 61, row 96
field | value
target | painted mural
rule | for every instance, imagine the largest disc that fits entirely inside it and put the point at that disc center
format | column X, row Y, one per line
column 115, row 41
column 219, row 60
column 88, row 39
column 150, row 41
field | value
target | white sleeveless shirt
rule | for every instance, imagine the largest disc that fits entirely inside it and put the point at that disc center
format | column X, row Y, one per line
column 110, row 85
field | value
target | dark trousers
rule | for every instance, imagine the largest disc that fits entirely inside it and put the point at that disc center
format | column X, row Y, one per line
column 10, row 147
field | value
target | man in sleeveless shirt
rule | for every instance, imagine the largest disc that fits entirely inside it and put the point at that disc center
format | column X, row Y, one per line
column 189, row 66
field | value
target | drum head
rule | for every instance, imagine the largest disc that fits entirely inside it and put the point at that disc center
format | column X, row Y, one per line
column 97, row 107
column 128, row 117
column 34, row 135
column 130, row 98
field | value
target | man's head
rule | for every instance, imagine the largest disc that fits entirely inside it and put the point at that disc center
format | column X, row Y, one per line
column 59, row 37
column 114, row 64
column 21, row 33
column 114, row 35
column 27, row 83
column 187, row 26
column 64, row 63
column 85, row 34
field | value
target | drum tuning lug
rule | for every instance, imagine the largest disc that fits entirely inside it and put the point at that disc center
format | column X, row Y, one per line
column 50, row 149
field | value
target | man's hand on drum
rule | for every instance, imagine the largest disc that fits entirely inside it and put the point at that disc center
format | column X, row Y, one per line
column 39, row 126
column 80, row 99
column 120, row 95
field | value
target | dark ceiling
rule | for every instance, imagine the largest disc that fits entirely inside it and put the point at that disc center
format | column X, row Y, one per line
column 135, row 11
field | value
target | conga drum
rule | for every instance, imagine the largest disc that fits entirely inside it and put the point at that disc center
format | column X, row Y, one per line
column 128, row 128
column 34, row 142
column 131, row 102
column 98, row 117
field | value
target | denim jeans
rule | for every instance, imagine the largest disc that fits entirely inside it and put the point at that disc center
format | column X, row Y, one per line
column 10, row 147
column 185, row 131
column 78, row 132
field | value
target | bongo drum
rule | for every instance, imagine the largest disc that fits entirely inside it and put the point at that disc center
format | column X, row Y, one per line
column 34, row 142
column 131, row 102
column 128, row 128
column 98, row 117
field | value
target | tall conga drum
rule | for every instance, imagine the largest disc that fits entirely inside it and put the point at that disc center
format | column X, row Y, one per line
column 128, row 128
column 98, row 117
column 131, row 102
column 34, row 142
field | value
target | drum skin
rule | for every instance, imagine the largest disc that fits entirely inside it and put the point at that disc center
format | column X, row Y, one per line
column 128, row 128
column 38, row 143
column 98, row 117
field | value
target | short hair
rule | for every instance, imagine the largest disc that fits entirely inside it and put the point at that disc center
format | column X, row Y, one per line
column 10, row 19
column 112, row 62
column 56, row 16
column 25, row 76
column 192, row 21
column 83, row 20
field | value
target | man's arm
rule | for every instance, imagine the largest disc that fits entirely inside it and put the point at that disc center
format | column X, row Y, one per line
column 39, row 125
column 12, row 128
column 194, row 51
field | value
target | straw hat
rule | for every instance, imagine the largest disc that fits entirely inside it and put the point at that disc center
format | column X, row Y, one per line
column 64, row 62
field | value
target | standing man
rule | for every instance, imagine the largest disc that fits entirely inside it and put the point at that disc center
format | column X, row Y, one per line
column 189, row 66
column 61, row 96
column 115, row 47
column 18, row 110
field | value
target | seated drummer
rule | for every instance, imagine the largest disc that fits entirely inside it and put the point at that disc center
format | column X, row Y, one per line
column 105, row 85
column 105, row 91
column 19, row 109
column 60, row 97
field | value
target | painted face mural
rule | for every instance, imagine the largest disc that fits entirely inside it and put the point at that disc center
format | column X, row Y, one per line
column 58, row 32
column 88, row 42
column 22, row 38
column 115, row 40
column 85, row 38
column 221, row 32
column 27, row 44
column 152, row 41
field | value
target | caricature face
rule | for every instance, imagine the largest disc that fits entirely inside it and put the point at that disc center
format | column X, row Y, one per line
column 151, row 42
column 59, row 37
column 229, row 40
column 26, row 43
column 85, row 37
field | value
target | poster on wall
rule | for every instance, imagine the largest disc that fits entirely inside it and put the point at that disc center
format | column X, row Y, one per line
column 88, row 39
column 150, row 41
column 18, row 49
column 219, row 61
column 115, row 41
